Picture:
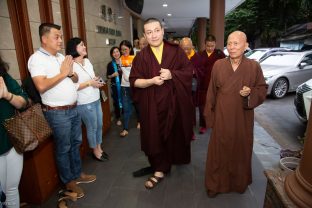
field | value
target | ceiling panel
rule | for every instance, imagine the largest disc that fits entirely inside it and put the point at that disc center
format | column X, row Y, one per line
column 184, row 12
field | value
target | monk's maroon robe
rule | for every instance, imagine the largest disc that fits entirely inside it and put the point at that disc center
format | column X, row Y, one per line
column 166, row 110
column 198, row 73
column 231, row 117
column 208, row 62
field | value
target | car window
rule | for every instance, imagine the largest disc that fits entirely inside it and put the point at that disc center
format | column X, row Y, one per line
column 282, row 59
column 307, row 59
column 256, row 55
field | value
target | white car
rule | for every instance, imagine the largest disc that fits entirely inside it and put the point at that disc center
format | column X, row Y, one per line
column 285, row 71
column 303, row 100
column 225, row 51
column 261, row 53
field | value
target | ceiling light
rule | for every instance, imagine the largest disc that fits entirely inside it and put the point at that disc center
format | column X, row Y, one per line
column 169, row 15
column 165, row 4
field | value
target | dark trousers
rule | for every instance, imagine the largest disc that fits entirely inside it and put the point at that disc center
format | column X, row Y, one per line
column 202, row 121
column 117, row 109
column 160, row 162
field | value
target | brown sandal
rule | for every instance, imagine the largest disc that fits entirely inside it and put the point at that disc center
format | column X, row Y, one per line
column 62, row 204
column 154, row 181
column 64, row 197
column 67, row 194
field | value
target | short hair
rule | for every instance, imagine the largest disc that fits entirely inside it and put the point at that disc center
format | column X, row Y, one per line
column 112, row 51
column 152, row 19
column 45, row 28
column 210, row 38
column 71, row 47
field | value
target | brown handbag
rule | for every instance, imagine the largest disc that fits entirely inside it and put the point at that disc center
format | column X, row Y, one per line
column 27, row 129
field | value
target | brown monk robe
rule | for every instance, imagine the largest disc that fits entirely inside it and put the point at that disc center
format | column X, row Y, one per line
column 236, row 87
column 166, row 110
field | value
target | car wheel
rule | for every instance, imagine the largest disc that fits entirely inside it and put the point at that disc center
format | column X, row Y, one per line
column 280, row 88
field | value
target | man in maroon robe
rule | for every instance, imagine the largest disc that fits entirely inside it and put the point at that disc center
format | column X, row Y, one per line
column 236, row 87
column 198, row 72
column 160, row 80
column 209, row 56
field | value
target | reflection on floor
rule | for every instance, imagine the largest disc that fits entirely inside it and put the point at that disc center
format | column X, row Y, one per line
column 184, row 187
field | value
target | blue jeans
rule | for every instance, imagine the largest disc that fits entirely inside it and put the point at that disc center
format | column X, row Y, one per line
column 127, row 106
column 91, row 115
column 66, row 127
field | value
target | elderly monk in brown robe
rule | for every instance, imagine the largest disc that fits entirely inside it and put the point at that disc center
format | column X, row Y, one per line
column 236, row 87
column 209, row 56
column 160, row 78
column 198, row 72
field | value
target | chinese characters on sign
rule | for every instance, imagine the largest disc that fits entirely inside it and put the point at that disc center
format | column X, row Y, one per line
column 107, row 14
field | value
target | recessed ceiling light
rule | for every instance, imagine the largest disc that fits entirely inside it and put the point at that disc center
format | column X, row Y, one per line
column 165, row 4
column 169, row 15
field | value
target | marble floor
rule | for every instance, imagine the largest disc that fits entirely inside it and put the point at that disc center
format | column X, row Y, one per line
column 115, row 186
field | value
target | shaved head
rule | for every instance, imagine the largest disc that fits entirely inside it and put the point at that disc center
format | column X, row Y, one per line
column 187, row 45
column 186, row 41
column 239, row 34
column 237, row 44
column 142, row 42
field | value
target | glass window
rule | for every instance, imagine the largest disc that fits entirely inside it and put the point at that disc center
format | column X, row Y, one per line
column 282, row 59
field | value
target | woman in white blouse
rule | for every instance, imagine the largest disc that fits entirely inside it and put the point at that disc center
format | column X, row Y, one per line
column 88, row 102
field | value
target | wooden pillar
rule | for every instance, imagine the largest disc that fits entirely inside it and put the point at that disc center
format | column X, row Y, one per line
column 66, row 20
column 201, row 35
column 298, row 185
column 45, row 9
column 21, row 34
column 217, row 13
column 81, row 21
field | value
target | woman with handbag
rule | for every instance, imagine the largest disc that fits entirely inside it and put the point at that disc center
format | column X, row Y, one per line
column 12, row 97
column 88, row 102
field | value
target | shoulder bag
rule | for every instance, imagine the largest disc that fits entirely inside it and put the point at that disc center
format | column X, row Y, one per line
column 27, row 129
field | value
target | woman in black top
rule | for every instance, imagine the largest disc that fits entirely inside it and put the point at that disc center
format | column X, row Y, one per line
column 114, row 74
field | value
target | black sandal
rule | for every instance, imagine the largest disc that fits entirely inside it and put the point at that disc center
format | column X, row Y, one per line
column 154, row 181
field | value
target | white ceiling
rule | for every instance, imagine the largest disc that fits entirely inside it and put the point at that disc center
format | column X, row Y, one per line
column 184, row 12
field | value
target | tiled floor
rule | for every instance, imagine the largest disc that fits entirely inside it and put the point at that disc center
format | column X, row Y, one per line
column 184, row 187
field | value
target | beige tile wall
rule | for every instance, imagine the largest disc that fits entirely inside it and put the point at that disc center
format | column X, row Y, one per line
column 98, row 51
column 56, row 10
column 7, row 46
column 34, row 22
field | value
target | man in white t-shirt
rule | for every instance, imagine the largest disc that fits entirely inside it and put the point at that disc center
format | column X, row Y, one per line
column 52, row 74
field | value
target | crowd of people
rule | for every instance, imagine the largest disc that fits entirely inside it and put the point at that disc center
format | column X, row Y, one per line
column 164, row 82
